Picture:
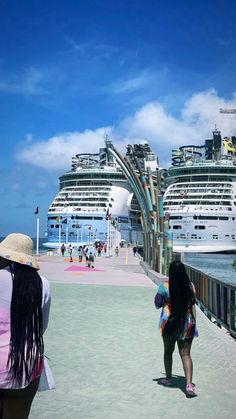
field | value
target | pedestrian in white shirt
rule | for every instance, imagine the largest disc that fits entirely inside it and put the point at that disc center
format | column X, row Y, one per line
column 91, row 255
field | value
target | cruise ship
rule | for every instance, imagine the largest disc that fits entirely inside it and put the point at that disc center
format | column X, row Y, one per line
column 200, row 199
column 94, row 191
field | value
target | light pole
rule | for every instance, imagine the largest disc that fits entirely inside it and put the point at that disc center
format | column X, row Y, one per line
column 77, row 234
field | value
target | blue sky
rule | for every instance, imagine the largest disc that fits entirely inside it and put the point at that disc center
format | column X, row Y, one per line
column 71, row 70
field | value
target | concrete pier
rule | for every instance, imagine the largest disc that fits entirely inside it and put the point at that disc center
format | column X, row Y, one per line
column 106, row 352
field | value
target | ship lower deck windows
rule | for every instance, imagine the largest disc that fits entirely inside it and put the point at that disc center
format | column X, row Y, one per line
column 177, row 227
column 215, row 237
column 193, row 236
column 176, row 217
column 209, row 217
column 200, row 227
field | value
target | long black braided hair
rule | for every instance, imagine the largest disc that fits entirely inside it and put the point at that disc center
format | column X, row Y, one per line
column 181, row 295
column 26, row 342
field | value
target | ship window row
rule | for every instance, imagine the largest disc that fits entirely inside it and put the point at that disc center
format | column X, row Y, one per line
column 196, row 202
column 197, row 227
column 91, row 191
column 201, row 185
column 92, row 176
column 73, row 200
column 74, row 185
column 91, row 204
column 77, row 217
column 208, row 170
column 55, row 207
column 214, row 237
column 84, row 188
column 205, row 179
column 202, row 217
column 197, row 193
column 81, row 218
column 217, row 187
column 85, row 204
column 191, row 195
column 192, row 189
column 209, row 217
column 76, row 195
column 199, row 207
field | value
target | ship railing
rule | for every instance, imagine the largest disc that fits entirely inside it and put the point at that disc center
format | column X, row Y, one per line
column 216, row 298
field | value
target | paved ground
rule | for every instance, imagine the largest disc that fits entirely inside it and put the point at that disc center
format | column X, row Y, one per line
column 106, row 352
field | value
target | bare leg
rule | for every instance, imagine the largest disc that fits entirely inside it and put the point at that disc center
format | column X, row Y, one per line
column 169, row 347
column 184, row 351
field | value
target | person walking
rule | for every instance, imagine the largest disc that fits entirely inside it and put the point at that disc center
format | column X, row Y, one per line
column 24, row 312
column 91, row 255
column 135, row 250
column 80, row 253
column 177, row 298
column 117, row 251
column 70, row 251
column 63, row 248
column 99, row 249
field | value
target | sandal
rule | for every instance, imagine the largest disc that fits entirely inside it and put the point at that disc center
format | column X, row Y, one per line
column 166, row 382
column 190, row 390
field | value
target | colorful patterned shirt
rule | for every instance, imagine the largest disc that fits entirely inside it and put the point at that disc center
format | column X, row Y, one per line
column 162, row 299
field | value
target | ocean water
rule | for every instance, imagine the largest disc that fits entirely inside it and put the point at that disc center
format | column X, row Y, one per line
column 217, row 265
column 42, row 249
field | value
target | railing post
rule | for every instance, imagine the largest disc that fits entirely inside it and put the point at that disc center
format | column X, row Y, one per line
column 232, row 309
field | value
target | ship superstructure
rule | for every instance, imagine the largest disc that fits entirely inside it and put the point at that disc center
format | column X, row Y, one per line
column 93, row 191
column 201, row 196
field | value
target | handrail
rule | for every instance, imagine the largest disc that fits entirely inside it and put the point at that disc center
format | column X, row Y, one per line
column 216, row 298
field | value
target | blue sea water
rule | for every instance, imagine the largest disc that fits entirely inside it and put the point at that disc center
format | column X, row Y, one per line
column 217, row 265
column 42, row 249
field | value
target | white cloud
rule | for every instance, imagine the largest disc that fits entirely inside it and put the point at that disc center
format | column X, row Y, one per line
column 131, row 85
column 55, row 153
column 152, row 122
column 29, row 84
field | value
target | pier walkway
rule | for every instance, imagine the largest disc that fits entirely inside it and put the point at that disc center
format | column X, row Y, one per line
column 106, row 352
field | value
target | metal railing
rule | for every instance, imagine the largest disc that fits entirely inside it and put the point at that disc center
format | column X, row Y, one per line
column 216, row 298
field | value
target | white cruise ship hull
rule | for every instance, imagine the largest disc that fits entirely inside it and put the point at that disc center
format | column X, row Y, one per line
column 95, row 202
column 207, row 248
column 200, row 199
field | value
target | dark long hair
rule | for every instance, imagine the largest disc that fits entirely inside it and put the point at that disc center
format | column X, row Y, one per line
column 26, row 343
column 181, row 293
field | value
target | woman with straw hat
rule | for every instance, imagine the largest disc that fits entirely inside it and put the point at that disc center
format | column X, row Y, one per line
column 24, row 312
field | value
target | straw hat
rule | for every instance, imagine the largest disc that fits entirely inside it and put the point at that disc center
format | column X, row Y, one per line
column 18, row 248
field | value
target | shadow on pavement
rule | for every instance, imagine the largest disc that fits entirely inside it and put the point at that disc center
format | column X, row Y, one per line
column 179, row 381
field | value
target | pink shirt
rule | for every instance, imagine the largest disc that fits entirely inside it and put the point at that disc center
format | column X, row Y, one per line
column 5, row 304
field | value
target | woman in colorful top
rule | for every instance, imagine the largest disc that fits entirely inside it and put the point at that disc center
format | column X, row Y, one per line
column 24, row 312
column 177, row 321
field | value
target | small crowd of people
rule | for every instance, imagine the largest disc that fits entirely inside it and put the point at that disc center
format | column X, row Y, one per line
column 86, row 252
column 91, row 250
